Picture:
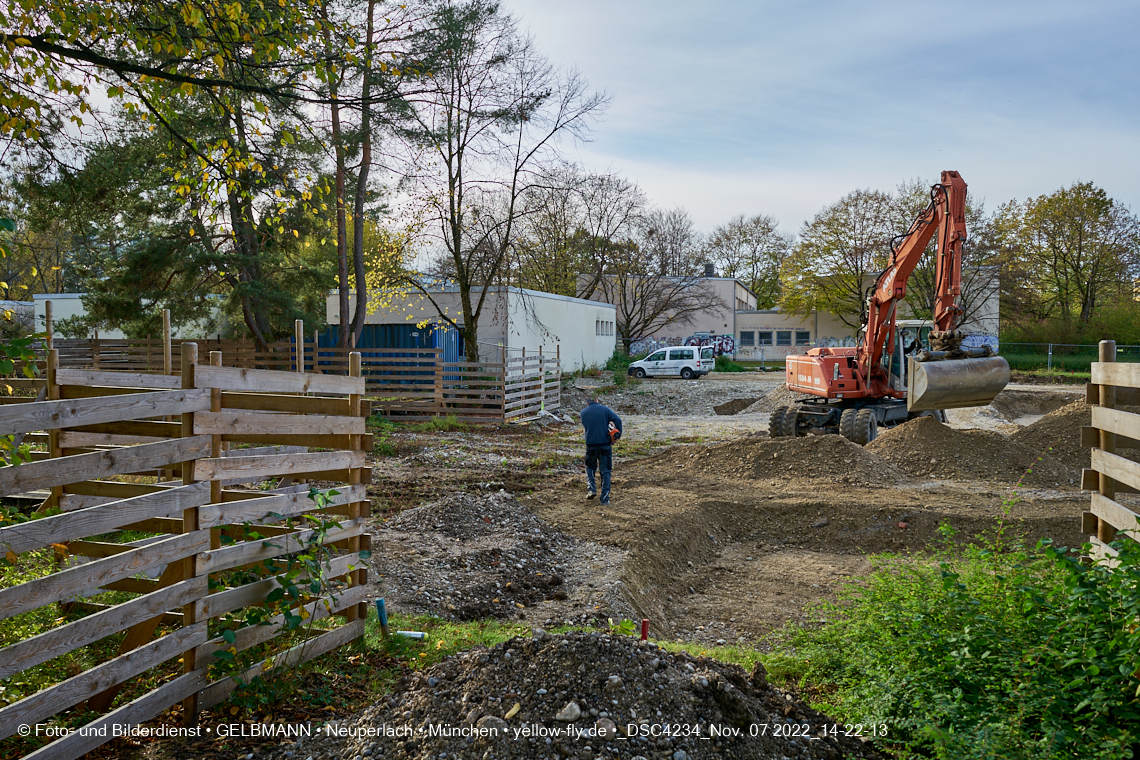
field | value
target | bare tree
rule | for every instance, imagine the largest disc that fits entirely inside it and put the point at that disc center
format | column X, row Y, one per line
column 491, row 119
column 751, row 249
column 668, row 240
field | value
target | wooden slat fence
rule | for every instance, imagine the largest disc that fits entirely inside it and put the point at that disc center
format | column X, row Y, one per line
column 1111, row 385
column 408, row 383
column 180, row 589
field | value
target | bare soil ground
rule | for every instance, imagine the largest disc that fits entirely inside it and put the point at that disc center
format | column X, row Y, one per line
column 716, row 533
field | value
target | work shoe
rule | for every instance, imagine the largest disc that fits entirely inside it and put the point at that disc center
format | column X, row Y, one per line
column 603, row 503
column 591, row 495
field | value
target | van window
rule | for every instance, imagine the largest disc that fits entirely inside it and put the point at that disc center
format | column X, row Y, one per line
column 783, row 338
column 681, row 354
column 657, row 357
column 706, row 353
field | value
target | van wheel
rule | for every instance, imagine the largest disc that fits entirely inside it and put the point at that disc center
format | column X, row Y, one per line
column 639, row 373
column 686, row 373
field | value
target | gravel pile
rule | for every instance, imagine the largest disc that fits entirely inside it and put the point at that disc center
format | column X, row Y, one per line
column 669, row 398
column 829, row 458
column 470, row 557
column 927, row 448
column 584, row 695
column 776, row 397
column 1058, row 435
column 1014, row 404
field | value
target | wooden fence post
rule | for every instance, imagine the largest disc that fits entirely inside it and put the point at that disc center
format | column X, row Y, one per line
column 299, row 336
column 48, row 328
column 358, row 577
column 1105, row 530
column 53, row 394
column 95, row 351
column 437, row 371
column 167, row 358
column 190, row 612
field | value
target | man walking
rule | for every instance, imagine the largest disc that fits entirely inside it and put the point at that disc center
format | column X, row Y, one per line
column 603, row 427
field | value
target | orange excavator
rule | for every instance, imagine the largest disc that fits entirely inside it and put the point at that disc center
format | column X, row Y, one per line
column 881, row 382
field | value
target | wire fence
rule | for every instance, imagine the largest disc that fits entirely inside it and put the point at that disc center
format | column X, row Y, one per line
column 1068, row 357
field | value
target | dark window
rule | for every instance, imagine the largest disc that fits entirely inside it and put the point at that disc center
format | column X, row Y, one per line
column 764, row 338
column 783, row 338
column 657, row 357
column 803, row 338
column 747, row 338
column 681, row 355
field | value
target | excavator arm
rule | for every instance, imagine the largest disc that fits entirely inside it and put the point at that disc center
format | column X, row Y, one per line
column 946, row 216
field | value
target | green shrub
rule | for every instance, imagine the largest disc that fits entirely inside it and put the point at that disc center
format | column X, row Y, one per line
column 440, row 425
column 983, row 653
column 619, row 362
column 724, row 364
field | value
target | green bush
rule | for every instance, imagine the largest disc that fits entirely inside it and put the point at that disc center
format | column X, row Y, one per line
column 724, row 364
column 619, row 362
column 983, row 653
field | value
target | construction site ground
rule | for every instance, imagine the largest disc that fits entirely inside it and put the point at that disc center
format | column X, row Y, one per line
column 715, row 532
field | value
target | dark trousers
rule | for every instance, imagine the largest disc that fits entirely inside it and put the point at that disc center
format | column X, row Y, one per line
column 603, row 457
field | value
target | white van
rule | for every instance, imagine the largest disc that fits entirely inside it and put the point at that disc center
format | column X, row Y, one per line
column 677, row 361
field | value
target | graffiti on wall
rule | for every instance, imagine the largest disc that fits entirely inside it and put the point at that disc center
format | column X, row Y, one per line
column 722, row 344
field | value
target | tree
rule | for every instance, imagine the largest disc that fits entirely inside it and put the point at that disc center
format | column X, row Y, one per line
column 1075, row 249
column 491, row 116
column 980, row 255
column 668, row 240
column 837, row 250
column 647, row 301
column 751, row 249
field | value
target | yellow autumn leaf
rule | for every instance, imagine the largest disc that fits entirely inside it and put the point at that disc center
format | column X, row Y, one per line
column 12, row 557
column 61, row 549
column 235, row 710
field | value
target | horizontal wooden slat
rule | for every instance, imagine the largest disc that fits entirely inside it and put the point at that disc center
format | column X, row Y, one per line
column 1116, row 373
column 47, row 702
column 1116, row 421
column 273, row 381
column 303, row 652
column 117, row 379
column 73, row 581
column 263, row 509
column 49, row 644
column 1102, row 551
column 149, row 428
column 248, row 552
column 140, row 710
column 102, row 464
column 232, row 599
column 295, row 404
column 299, row 439
column 70, row 440
column 1123, row 519
column 104, row 518
column 252, row 635
column 268, row 466
column 1116, row 467
column 47, row 415
column 253, row 423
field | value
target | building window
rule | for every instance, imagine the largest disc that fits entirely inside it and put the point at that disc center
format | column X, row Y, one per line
column 764, row 338
column 803, row 337
column 747, row 338
column 783, row 338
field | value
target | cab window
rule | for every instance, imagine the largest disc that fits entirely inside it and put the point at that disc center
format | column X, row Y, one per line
column 706, row 353
column 657, row 357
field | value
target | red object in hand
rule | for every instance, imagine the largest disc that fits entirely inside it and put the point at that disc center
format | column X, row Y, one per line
column 613, row 432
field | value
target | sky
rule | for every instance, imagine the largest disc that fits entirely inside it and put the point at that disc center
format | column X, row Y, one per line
column 781, row 108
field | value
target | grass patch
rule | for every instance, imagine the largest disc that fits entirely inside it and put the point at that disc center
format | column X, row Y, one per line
column 447, row 424
column 981, row 651
column 724, row 364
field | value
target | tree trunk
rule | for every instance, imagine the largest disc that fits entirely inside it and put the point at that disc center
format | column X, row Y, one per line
column 362, row 184
column 341, row 224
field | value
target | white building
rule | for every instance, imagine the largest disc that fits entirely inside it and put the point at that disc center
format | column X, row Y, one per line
column 67, row 305
column 581, row 332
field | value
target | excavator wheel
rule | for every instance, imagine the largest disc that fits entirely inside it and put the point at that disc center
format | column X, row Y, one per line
column 774, row 421
column 847, row 424
column 866, row 427
column 788, row 421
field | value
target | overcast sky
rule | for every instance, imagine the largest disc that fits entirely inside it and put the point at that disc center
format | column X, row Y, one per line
column 734, row 108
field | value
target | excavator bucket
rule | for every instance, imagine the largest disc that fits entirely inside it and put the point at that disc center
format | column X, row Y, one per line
column 955, row 383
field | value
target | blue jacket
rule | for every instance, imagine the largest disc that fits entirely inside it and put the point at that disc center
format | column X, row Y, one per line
column 596, row 419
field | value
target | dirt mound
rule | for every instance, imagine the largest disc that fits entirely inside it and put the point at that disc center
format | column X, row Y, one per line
column 1014, row 404
column 815, row 457
column 585, row 695
column 926, row 447
column 779, row 396
column 490, row 557
column 735, row 406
